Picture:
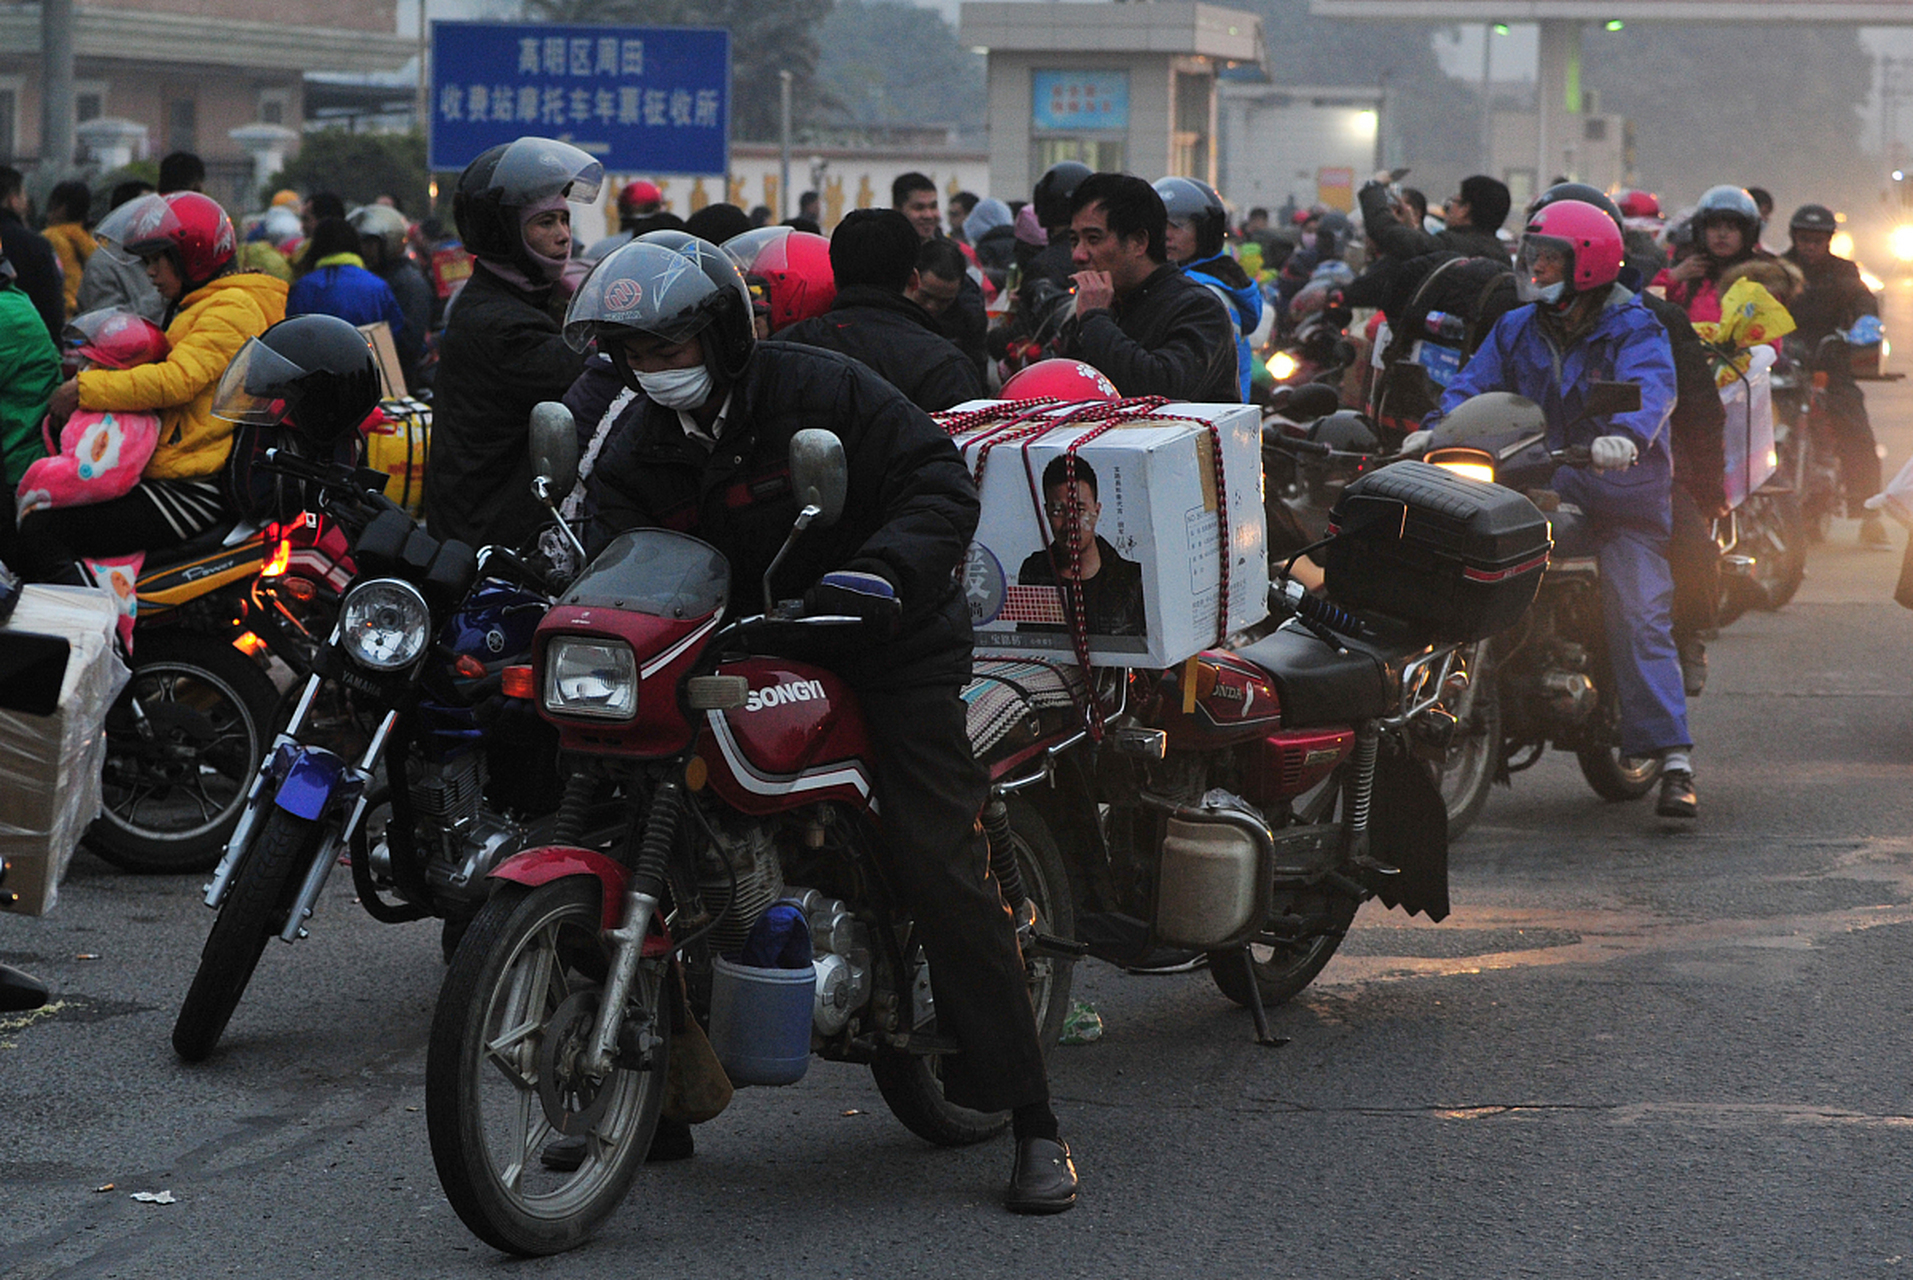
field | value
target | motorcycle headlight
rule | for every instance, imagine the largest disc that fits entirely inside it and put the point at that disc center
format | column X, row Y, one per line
column 1282, row 366
column 384, row 624
column 591, row 678
column 1472, row 463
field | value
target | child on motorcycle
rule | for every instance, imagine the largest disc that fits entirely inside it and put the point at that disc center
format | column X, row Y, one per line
column 1582, row 327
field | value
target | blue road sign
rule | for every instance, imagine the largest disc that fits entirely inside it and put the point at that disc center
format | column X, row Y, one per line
column 640, row 99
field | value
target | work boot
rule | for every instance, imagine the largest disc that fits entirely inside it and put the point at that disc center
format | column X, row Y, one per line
column 1873, row 532
column 1677, row 795
column 1693, row 664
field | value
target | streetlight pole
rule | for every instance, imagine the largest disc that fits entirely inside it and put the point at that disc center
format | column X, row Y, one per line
column 56, row 84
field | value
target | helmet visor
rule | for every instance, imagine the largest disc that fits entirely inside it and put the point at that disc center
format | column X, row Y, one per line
column 534, row 170
column 256, row 388
column 138, row 229
column 647, row 288
column 115, row 339
column 1543, row 261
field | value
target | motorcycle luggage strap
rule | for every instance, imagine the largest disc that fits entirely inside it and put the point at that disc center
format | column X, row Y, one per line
column 1025, row 422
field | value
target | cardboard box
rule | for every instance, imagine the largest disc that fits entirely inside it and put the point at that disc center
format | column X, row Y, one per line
column 1152, row 495
column 1749, row 432
column 50, row 764
column 391, row 373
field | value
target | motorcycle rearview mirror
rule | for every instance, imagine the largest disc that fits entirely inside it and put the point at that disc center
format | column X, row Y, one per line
column 819, row 474
column 1605, row 399
column 820, row 478
column 554, row 451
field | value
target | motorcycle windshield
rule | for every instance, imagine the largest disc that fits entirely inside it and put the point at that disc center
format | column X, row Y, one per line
column 655, row 572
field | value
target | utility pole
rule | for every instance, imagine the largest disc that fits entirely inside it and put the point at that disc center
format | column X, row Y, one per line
column 783, row 160
column 56, row 85
column 1487, row 98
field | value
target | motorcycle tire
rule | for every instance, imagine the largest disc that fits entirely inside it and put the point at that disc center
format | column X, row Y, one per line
column 1466, row 774
column 1613, row 778
column 1284, row 970
column 254, row 911
column 911, row 1084
column 169, row 803
column 506, row 1037
column 1775, row 533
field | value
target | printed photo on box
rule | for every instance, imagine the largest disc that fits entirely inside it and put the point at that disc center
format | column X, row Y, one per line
column 1098, row 585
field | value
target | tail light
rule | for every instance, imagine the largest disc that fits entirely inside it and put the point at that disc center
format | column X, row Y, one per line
column 1471, row 463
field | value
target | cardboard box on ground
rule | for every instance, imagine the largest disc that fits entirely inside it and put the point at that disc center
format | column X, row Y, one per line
column 1152, row 553
column 50, row 763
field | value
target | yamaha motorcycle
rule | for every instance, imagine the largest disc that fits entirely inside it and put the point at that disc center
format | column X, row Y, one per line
column 407, row 748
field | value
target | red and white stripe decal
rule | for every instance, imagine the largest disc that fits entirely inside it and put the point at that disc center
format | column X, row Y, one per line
column 1502, row 575
column 850, row 773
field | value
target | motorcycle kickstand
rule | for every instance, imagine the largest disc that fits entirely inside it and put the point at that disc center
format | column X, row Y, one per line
column 1263, row 1036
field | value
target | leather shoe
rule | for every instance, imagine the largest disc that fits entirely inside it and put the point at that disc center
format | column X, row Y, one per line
column 1677, row 795
column 1044, row 1180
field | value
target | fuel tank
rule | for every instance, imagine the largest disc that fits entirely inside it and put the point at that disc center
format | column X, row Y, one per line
column 1234, row 701
column 798, row 738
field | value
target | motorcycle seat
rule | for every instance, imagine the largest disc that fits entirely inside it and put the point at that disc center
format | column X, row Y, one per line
column 1319, row 685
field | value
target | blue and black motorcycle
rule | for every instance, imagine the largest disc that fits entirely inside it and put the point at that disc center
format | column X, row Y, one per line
column 406, row 749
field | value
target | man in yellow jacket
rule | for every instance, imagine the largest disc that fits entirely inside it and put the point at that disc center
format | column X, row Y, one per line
column 187, row 245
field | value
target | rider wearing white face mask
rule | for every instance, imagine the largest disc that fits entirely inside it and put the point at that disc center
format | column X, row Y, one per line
column 502, row 351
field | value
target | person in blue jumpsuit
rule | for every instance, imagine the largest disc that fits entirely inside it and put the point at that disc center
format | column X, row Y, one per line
column 1582, row 327
column 1197, row 224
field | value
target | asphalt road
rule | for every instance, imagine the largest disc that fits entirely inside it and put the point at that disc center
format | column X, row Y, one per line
column 1632, row 1050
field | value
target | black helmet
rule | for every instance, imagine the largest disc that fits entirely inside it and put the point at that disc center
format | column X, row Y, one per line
column 1577, row 191
column 514, row 176
column 1197, row 206
column 1729, row 204
column 673, row 290
column 314, row 373
column 1813, row 217
column 1054, row 189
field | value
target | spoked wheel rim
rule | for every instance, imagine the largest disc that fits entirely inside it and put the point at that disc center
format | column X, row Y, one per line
column 531, row 1086
column 193, row 774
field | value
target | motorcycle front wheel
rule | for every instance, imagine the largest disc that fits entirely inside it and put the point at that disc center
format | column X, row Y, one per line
column 912, row 1084
column 179, row 764
column 1775, row 533
column 1618, row 777
column 505, row 1071
column 255, row 909
column 1466, row 773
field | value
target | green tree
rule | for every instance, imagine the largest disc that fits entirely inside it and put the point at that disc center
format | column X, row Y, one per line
column 361, row 167
column 886, row 62
column 767, row 37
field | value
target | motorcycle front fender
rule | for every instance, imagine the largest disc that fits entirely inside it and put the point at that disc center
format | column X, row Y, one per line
column 534, row 867
column 312, row 777
column 1408, row 828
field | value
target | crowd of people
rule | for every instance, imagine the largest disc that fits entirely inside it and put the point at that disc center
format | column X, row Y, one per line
column 691, row 349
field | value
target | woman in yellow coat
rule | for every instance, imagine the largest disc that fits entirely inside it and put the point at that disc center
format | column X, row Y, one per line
column 73, row 244
column 187, row 245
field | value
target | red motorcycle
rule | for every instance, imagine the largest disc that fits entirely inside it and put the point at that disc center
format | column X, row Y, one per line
column 746, row 783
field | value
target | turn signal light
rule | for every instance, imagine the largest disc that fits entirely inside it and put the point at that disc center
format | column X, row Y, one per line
column 517, row 683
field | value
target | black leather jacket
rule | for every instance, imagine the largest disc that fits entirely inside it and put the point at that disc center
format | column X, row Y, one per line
column 898, row 339
column 1169, row 336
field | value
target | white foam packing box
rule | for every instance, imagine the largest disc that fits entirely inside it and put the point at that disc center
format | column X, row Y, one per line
column 50, row 765
column 1168, row 511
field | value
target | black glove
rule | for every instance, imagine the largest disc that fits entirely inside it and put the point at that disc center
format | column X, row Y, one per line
column 854, row 593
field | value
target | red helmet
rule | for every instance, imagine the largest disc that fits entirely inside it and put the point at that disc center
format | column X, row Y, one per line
column 788, row 272
column 1639, row 204
column 1059, row 379
column 639, row 199
column 115, row 339
column 189, row 228
column 1582, row 234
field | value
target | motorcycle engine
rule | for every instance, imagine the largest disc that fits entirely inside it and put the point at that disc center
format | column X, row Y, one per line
column 747, row 854
column 461, row 841
column 840, row 946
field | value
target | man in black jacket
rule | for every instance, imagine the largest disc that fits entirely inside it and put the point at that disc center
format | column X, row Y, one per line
column 704, row 448
column 1149, row 328
column 873, row 255
column 1472, row 215
column 36, row 269
column 915, row 197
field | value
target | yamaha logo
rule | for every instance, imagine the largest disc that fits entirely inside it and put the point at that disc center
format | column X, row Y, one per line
column 495, row 640
column 778, row 695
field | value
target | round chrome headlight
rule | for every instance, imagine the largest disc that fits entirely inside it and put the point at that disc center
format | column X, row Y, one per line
column 384, row 624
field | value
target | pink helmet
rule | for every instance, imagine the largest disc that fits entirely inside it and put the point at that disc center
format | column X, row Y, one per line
column 1060, row 379
column 1583, row 234
column 116, row 339
column 1639, row 204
